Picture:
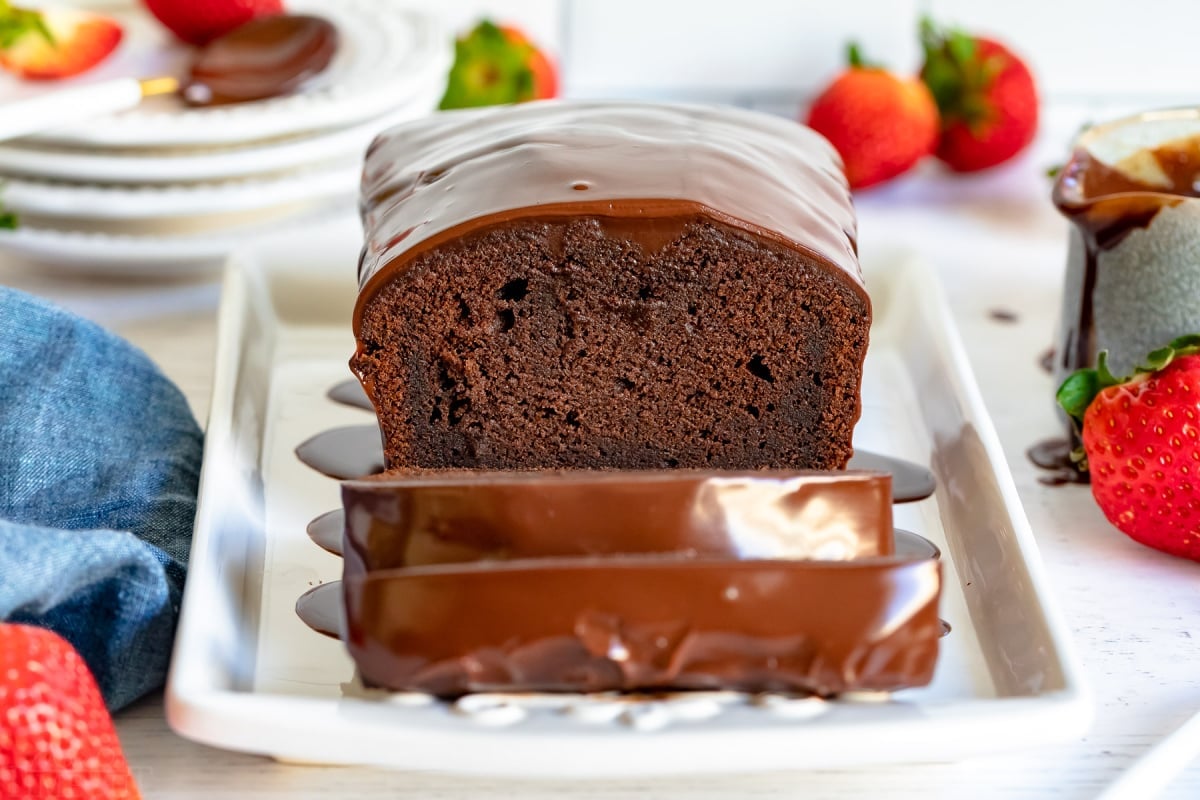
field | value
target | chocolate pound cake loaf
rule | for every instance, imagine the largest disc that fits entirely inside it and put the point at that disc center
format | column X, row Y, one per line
column 597, row 285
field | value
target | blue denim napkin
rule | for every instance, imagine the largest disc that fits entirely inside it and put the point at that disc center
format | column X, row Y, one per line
column 99, row 462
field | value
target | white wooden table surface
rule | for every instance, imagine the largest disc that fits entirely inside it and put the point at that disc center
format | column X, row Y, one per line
column 997, row 244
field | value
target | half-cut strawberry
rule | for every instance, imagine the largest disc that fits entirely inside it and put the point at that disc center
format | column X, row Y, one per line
column 54, row 43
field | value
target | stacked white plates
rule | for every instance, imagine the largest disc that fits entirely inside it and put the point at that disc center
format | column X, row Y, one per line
column 165, row 189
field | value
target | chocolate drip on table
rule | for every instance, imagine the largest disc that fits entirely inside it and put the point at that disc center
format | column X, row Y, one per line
column 1054, row 456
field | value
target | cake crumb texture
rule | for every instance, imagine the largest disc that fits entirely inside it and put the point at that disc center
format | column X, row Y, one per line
column 567, row 342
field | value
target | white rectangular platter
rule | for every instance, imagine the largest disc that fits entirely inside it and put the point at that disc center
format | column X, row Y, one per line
column 248, row 675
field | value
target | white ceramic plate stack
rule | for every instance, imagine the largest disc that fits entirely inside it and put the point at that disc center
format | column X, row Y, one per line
column 164, row 189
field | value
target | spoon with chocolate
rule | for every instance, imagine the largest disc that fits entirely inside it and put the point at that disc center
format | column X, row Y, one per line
column 267, row 57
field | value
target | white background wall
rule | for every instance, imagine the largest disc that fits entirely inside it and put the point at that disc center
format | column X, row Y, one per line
column 1080, row 49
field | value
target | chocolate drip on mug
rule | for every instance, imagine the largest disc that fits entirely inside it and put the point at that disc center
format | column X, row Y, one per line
column 1106, row 203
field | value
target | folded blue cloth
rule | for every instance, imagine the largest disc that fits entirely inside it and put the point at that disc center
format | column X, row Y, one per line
column 99, row 463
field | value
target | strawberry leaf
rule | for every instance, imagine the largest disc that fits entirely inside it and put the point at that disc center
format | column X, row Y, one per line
column 491, row 67
column 1103, row 372
column 854, row 58
column 960, row 46
column 956, row 76
column 8, row 220
column 16, row 23
column 1081, row 387
column 1078, row 391
column 1186, row 345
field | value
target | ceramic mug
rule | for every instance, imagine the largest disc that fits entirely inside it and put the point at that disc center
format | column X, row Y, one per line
column 1133, row 264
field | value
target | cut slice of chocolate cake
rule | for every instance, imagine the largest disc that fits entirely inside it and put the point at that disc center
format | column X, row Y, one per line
column 598, row 285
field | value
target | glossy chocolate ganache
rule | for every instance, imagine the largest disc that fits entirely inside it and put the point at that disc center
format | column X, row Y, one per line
column 397, row 521
column 634, row 581
column 628, row 623
column 610, row 285
column 474, row 169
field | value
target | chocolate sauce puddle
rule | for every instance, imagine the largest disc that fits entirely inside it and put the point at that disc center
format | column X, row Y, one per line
column 320, row 608
column 350, row 393
column 352, row 451
column 910, row 482
column 326, row 531
column 1054, row 456
column 914, row 545
column 1046, row 361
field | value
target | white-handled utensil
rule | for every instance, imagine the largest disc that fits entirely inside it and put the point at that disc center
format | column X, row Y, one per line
column 265, row 57
column 63, row 106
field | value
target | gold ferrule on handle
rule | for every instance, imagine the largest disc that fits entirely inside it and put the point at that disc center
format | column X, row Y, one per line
column 154, row 86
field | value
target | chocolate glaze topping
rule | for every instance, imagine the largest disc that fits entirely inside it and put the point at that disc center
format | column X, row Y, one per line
column 630, row 623
column 266, row 57
column 595, row 581
column 444, row 176
column 405, row 522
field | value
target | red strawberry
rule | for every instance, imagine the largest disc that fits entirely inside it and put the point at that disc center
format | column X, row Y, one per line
column 880, row 123
column 1141, row 439
column 495, row 65
column 54, row 43
column 985, row 94
column 201, row 21
column 56, row 738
